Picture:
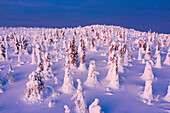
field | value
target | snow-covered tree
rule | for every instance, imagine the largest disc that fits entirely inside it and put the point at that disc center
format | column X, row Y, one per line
column 34, row 88
column 94, row 107
column 67, row 110
column 68, row 84
column 2, row 52
column 140, row 54
column 16, row 46
column 158, row 61
column 82, row 56
column 114, row 77
column 92, row 78
column 120, row 54
column 148, row 74
column 167, row 60
column 125, row 63
column 47, row 66
column 147, row 93
column 73, row 54
column 167, row 97
column 148, row 53
column 79, row 86
column 92, row 44
column 33, row 57
column 55, row 48
column 112, row 50
column 10, row 68
column 81, row 106
column 158, row 48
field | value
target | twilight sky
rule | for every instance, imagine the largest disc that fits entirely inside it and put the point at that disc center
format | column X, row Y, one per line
column 138, row 14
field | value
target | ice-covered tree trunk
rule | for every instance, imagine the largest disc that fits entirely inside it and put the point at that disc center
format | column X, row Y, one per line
column 148, row 74
column 167, row 60
column 92, row 78
column 147, row 93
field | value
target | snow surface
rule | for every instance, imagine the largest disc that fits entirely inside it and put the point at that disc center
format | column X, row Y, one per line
column 124, row 100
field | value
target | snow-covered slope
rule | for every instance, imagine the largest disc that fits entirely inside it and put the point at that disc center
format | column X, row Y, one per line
column 125, row 99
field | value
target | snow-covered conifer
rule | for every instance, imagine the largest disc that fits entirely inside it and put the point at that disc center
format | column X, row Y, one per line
column 120, row 54
column 68, row 85
column 2, row 52
column 92, row 78
column 147, row 93
column 167, row 60
column 34, row 88
column 94, row 107
column 148, row 53
column 81, row 106
column 125, row 63
column 158, row 61
column 148, row 74
column 33, row 57
column 167, row 97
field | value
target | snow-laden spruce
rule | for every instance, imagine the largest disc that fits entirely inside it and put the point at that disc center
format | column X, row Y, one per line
column 167, row 97
column 120, row 54
column 147, row 93
column 112, row 50
column 2, row 52
column 158, row 61
column 82, row 66
column 81, row 106
column 148, row 74
column 167, row 60
column 125, row 63
column 91, row 80
column 140, row 54
column 47, row 67
column 92, row 44
column 158, row 48
column 34, row 88
column 94, row 107
column 68, row 85
column 112, row 76
column 33, row 57
column 148, row 53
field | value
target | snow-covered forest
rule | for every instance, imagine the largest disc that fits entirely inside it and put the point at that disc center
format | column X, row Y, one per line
column 91, row 69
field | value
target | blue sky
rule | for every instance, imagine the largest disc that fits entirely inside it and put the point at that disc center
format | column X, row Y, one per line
column 139, row 14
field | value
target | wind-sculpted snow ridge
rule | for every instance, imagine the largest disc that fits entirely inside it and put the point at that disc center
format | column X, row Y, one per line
column 69, row 70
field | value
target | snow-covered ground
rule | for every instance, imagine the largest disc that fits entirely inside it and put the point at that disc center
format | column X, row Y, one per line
column 126, row 99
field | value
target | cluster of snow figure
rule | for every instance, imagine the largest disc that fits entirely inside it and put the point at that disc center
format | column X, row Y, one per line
column 37, row 43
